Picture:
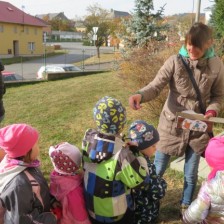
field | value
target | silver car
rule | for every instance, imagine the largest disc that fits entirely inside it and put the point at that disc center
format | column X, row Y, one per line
column 53, row 68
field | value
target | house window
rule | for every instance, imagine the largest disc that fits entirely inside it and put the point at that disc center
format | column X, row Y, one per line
column 1, row 28
column 31, row 46
column 27, row 30
column 15, row 29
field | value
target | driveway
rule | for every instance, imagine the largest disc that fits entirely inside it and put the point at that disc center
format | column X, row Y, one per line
column 76, row 53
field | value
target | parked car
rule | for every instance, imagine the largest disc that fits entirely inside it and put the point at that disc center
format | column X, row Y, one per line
column 10, row 76
column 53, row 68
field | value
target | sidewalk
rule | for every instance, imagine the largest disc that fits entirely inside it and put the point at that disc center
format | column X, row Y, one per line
column 99, row 66
column 203, row 169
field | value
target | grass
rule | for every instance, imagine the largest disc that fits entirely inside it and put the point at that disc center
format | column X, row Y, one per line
column 104, row 57
column 62, row 111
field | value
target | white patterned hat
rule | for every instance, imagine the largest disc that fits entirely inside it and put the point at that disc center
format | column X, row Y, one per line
column 66, row 158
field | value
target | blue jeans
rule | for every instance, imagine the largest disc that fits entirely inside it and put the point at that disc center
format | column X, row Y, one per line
column 190, row 172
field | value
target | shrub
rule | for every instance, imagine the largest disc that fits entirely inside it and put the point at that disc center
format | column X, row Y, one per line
column 138, row 68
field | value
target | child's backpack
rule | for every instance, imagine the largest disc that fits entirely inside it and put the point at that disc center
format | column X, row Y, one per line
column 2, row 212
column 35, row 190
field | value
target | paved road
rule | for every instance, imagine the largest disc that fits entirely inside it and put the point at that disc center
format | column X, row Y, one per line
column 76, row 53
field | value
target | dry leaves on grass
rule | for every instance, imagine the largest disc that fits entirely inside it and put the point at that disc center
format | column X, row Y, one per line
column 169, row 210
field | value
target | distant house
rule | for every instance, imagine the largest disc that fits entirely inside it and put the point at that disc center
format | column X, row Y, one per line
column 52, row 16
column 118, row 14
column 47, row 28
column 20, row 33
column 59, row 32
column 80, row 27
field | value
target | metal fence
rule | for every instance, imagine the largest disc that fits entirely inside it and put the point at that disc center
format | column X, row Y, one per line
column 84, row 58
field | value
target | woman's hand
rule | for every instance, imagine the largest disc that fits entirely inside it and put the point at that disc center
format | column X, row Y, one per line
column 134, row 101
column 210, row 113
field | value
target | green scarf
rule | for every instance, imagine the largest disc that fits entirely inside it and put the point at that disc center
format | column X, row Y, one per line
column 208, row 54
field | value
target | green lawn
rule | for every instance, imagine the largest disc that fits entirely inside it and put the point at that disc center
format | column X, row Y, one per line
column 62, row 111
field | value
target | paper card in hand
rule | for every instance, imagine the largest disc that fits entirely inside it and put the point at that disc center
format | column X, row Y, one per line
column 194, row 122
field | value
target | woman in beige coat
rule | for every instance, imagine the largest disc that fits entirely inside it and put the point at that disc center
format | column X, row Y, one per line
column 208, row 72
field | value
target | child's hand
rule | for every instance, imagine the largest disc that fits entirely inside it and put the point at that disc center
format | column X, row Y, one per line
column 57, row 212
column 57, row 209
column 210, row 113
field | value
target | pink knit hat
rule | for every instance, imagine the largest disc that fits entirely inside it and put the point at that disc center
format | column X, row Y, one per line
column 214, row 155
column 18, row 139
column 66, row 158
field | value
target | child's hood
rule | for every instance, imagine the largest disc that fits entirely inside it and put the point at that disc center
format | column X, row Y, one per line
column 8, row 170
column 98, row 147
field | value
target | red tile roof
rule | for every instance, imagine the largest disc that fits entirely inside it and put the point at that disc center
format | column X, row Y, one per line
column 11, row 14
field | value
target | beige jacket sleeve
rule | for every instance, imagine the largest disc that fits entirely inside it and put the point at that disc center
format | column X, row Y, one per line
column 162, row 78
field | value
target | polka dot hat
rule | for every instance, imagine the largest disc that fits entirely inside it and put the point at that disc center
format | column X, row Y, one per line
column 66, row 158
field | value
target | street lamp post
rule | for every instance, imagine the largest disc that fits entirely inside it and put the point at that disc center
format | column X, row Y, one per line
column 83, row 58
column 198, row 11
column 23, row 7
column 45, row 40
column 23, row 20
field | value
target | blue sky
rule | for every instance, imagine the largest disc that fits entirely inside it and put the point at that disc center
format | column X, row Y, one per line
column 73, row 8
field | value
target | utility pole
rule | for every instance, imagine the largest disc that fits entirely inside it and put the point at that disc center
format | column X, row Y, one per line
column 197, row 17
column 45, row 40
column 23, row 7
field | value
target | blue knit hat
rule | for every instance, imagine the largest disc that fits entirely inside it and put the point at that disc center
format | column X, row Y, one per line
column 144, row 134
column 110, row 115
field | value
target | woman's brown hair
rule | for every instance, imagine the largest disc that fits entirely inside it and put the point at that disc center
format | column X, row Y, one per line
column 198, row 35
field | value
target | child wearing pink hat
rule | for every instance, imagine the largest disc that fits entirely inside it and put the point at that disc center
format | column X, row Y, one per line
column 66, row 183
column 24, row 193
column 208, row 207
